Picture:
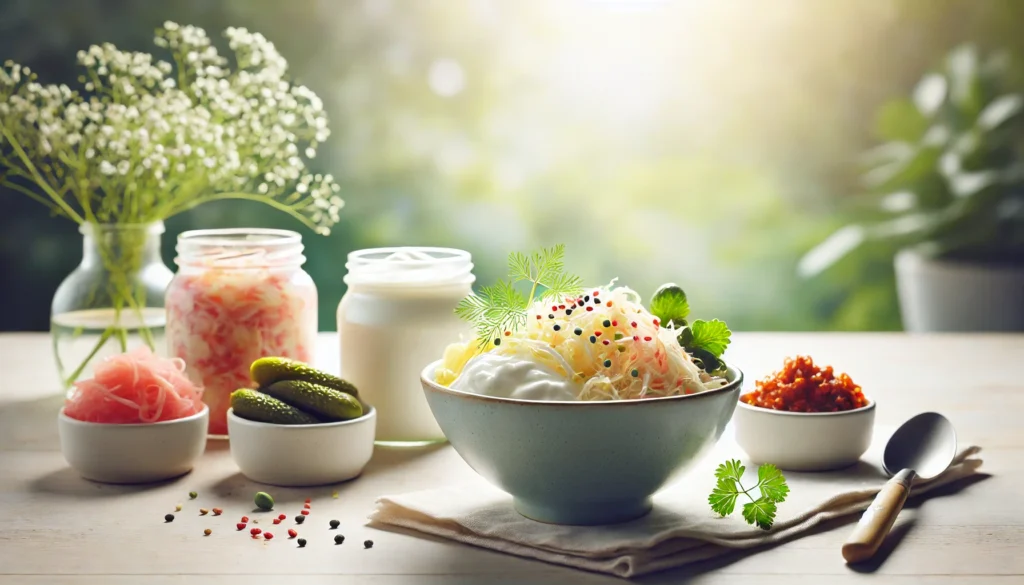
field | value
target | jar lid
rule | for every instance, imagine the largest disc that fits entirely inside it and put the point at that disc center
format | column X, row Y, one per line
column 239, row 248
column 409, row 265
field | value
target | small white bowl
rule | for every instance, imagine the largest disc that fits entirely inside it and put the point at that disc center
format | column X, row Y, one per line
column 804, row 441
column 133, row 453
column 302, row 455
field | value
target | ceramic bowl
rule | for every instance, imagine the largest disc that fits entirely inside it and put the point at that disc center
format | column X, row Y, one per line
column 581, row 462
column 804, row 441
column 133, row 453
column 302, row 455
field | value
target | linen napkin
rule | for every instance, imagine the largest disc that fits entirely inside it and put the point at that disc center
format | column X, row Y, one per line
column 681, row 528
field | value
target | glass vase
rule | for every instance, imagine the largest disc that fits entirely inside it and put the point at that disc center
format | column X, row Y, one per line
column 113, row 301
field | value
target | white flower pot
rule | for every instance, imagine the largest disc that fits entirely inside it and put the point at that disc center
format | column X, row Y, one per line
column 944, row 295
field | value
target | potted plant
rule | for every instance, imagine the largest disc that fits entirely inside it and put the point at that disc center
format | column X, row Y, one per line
column 947, row 195
column 144, row 139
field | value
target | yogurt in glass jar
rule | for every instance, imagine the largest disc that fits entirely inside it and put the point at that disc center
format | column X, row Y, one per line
column 239, row 295
column 397, row 316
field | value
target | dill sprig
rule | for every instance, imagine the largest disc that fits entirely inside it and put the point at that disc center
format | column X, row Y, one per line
column 501, row 308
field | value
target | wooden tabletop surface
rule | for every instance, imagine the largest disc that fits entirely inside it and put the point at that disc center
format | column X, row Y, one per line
column 56, row 528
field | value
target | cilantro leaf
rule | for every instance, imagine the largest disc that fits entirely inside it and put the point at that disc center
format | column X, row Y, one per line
column 723, row 497
column 731, row 469
column 772, row 483
column 711, row 336
column 729, row 487
column 761, row 512
column 670, row 306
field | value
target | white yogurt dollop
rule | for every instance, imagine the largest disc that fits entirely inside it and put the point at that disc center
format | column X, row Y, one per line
column 502, row 376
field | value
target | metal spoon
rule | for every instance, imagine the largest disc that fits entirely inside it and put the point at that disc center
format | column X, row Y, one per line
column 923, row 447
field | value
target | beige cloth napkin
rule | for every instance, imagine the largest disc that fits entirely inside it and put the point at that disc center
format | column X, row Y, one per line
column 681, row 529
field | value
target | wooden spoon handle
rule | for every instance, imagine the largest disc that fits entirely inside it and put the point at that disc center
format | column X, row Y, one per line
column 878, row 518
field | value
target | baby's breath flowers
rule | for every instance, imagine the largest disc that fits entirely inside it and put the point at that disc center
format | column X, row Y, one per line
column 145, row 139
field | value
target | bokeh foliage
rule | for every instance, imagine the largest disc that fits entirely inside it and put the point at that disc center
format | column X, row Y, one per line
column 709, row 143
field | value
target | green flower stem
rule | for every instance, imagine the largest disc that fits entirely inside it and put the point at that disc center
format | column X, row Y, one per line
column 289, row 209
column 38, row 178
column 81, row 367
column 121, row 253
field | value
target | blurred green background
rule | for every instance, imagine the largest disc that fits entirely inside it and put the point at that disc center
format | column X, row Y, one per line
column 706, row 142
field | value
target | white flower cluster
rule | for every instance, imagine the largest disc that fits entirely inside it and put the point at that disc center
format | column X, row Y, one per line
column 150, row 139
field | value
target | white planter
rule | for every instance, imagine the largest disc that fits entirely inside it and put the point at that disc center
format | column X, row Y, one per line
column 942, row 295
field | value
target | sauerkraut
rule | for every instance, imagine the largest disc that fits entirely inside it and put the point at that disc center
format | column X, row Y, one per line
column 605, row 341
column 221, row 320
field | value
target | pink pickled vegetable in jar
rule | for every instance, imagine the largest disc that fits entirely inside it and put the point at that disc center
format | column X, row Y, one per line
column 239, row 295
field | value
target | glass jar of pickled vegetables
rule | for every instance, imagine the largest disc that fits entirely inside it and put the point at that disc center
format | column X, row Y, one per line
column 397, row 316
column 239, row 295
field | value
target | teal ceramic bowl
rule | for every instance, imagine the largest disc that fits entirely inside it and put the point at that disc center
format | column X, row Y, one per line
column 583, row 463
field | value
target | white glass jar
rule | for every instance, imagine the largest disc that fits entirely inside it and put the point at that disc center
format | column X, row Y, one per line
column 398, row 316
column 239, row 295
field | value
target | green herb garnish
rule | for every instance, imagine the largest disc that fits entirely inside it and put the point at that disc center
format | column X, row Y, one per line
column 770, row 482
column 501, row 308
column 705, row 341
column 670, row 306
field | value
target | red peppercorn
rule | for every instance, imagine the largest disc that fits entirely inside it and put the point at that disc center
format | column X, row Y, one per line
column 277, row 520
column 596, row 292
column 554, row 307
column 656, row 322
column 636, row 338
column 561, row 306
column 597, row 333
column 608, row 304
column 305, row 512
column 633, row 323
column 268, row 535
column 590, row 308
column 606, row 342
column 255, row 531
column 282, row 517
column 306, row 506
column 240, row 526
column 217, row 511
column 245, row 518
column 308, row 500
column 615, row 323
column 647, row 338
column 292, row 533
column 538, row 316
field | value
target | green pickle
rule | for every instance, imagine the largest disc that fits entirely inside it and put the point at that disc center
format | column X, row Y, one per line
column 268, row 370
column 253, row 405
column 325, row 403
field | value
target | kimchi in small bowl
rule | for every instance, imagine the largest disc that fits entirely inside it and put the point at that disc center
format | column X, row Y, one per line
column 805, row 418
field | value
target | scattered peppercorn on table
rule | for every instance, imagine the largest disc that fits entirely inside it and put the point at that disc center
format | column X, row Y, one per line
column 58, row 528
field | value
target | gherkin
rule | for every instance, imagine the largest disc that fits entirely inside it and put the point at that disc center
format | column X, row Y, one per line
column 325, row 403
column 265, row 371
column 253, row 405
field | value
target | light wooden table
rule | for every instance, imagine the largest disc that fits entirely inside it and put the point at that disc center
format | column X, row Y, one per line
column 57, row 528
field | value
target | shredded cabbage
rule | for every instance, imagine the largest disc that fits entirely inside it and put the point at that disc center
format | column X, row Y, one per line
column 605, row 340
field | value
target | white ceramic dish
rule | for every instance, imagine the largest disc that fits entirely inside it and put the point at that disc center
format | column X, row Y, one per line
column 804, row 441
column 133, row 453
column 302, row 455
